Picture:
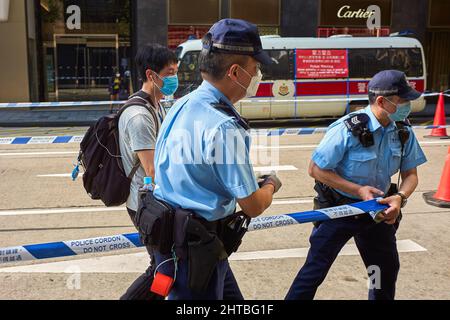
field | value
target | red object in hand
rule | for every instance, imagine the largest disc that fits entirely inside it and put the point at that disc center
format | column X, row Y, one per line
column 162, row 284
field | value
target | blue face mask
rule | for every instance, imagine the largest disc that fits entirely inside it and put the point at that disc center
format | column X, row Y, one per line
column 403, row 111
column 170, row 85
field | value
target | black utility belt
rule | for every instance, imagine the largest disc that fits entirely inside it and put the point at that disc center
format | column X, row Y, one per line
column 203, row 243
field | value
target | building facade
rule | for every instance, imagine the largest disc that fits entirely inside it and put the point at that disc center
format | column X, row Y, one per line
column 65, row 50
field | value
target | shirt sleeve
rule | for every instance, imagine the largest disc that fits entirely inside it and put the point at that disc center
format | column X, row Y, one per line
column 142, row 132
column 332, row 148
column 413, row 154
column 228, row 153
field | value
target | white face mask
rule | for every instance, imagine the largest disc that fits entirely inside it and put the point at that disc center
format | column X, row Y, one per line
column 252, row 88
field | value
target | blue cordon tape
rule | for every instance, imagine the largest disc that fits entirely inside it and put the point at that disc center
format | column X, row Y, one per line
column 128, row 241
column 108, row 103
column 258, row 132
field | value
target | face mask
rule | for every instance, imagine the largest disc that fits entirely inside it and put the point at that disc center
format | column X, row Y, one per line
column 170, row 85
column 252, row 88
column 403, row 111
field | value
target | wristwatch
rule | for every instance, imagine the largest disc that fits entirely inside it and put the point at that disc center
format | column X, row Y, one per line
column 404, row 198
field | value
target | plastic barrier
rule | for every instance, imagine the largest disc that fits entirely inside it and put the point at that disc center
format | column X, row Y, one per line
column 128, row 241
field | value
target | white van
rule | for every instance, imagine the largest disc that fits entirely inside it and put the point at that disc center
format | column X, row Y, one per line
column 317, row 77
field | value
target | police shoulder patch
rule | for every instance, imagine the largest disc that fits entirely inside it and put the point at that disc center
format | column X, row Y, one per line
column 357, row 121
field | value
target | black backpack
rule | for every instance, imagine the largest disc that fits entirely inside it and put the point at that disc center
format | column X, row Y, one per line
column 104, row 177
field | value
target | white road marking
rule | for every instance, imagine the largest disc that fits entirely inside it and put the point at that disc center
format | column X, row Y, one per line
column 55, row 211
column 441, row 142
column 284, row 202
column 312, row 146
column 348, row 250
column 275, row 168
column 293, row 146
column 138, row 262
column 255, row 147
column 30, row 212
column 257, row 169
column 58, row 175
column 19, row 154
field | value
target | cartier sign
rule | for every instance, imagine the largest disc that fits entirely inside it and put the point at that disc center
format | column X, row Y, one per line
column 352, row 13
column 346, row 12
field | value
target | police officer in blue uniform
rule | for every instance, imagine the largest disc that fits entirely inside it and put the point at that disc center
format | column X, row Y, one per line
column 355, row 161
column 202, row 165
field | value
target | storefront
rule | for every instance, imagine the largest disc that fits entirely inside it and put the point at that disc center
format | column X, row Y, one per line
column 59, row 50
column 84, row 44
column 438, row 45
column 79, row 62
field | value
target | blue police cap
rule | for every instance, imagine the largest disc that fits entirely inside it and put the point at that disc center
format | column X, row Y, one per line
column 236, row 36
column 392, row 83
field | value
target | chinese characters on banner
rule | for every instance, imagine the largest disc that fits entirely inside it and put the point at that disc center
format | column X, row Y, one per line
column 322, row 64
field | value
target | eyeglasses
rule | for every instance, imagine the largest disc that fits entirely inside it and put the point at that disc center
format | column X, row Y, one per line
column 390, row 101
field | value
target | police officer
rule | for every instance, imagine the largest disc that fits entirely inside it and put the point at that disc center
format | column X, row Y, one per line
column 202, row 154
column 355, row 161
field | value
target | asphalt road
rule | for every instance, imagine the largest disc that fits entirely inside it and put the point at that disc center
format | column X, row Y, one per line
column 266, row 263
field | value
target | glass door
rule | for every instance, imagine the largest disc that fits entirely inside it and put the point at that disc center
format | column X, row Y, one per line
column 84, row 66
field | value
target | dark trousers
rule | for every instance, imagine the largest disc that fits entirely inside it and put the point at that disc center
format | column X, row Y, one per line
column 223, row 284
column 140, row 288
column 376, row 244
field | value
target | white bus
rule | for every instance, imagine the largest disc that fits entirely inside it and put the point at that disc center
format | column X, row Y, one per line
column 317, row 77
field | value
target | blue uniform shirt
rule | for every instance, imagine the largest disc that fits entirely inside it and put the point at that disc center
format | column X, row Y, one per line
column 374, row 166
column 202, row 160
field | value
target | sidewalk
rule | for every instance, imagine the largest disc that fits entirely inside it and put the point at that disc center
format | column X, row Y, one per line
column 50, row 118
column 86, row 116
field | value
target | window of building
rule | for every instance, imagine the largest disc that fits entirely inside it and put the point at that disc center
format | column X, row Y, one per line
column 439, row 15
column 194, row 12
column 260, row 12
column 189, row 20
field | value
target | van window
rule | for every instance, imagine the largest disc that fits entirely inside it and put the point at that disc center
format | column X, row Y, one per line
column 178, row 52
column 365, row 63
column 282, row 67
column 188, row 73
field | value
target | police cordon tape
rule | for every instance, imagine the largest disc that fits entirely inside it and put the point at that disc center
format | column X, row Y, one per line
column 128, row 241
column 122, row 102
column 257, row 132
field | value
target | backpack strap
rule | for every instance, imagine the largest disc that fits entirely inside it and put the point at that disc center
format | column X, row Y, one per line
column 134, row 169
column 140, row 99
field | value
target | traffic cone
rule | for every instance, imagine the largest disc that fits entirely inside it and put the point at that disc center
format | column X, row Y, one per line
column 439, row 120
column 441, row 198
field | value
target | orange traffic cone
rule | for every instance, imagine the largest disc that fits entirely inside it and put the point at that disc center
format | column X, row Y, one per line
column 439, row 120
column 441, row 198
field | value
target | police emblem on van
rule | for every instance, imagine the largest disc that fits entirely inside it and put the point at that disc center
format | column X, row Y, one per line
column 283, row 90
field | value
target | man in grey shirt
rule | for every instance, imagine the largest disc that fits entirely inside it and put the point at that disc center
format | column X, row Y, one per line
column 138, row 130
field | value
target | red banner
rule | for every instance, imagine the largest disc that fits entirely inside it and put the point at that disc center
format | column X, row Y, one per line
column 321, row 64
